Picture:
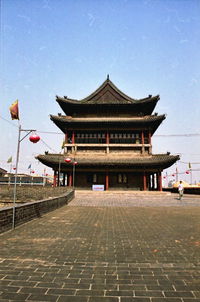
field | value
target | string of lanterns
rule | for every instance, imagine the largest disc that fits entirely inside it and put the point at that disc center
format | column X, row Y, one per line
column 174, row 174
column 68, row 160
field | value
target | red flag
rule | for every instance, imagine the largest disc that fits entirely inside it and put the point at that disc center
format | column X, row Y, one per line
column 14, row 111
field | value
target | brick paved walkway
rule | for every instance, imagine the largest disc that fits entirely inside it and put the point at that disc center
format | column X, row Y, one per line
column 92, row 250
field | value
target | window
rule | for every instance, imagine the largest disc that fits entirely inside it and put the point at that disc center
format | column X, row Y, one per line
column 125, row 138
column 119, row 178
column 138, row 140
column 90, row 138
column 122, row 178
column 94, row 178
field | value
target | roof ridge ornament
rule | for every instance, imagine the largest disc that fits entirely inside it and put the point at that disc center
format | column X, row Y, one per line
column 108, row 77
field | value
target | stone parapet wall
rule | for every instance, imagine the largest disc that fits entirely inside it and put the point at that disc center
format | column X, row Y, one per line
column 28, row 211
column 29, row 193
column 187, row 190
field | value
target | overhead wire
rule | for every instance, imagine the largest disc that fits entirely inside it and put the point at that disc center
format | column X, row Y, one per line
column 8, row 121
column 49, row 132
column 47, row 145
column 158, row 135
column 177, row 135
column 192, row 163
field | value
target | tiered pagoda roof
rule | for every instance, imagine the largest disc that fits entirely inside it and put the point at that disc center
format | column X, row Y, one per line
column 162, row 161
column 110, row 100
column 69, row 123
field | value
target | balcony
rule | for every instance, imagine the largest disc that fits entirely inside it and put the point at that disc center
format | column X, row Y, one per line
column 108, row 148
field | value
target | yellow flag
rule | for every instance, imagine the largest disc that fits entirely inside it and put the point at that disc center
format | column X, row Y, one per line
column 63, row 144
column 9, row 160
column 14, row 111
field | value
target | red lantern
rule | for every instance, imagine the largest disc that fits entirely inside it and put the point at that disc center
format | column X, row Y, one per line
column 32, row 171
column 187, row 172
column 75, row 163
column 14, row 168
column 46, row 175
column 173, row 174
column 68, row 160
column 164, row 177
column 34, row 138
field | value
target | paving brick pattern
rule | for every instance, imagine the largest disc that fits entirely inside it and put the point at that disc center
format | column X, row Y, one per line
column 107, row 248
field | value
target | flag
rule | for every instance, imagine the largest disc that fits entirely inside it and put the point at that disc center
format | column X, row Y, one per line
column 189, row 165
column 63, row 144
column 9, row 160
column 14, row 111
column 29, row 167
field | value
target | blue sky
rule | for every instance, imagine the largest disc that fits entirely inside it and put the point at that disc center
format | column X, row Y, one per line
column 63, row 47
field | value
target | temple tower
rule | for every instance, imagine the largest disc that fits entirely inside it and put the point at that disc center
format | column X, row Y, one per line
column 108, row 134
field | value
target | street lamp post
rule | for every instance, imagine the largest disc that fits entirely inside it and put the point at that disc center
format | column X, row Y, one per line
column 34, row 139
column 74, row 163
column 59, row 171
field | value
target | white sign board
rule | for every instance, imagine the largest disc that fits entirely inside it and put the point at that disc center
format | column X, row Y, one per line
column 98, row 187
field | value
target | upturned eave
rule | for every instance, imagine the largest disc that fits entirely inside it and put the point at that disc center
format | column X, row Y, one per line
column 69, row 101
column 161, row 161
column 151, row 122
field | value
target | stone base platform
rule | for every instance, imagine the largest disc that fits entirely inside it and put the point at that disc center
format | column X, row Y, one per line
column 98, row 253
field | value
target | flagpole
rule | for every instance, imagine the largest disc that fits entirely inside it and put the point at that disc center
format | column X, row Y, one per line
column 176, row 174
column 167, row 178
column 10, row 174
column 190, row 169
column 59, row 170
column 16, row 170
column 44, row 175
column 14, row 111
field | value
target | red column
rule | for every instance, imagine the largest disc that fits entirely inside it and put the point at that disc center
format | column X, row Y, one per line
column 107, row 181
column 70, row 179
column 142, row 137
column 73, row 138
column 54, row 178
column 144, row 181
column 159, row 180
column 107, row 138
